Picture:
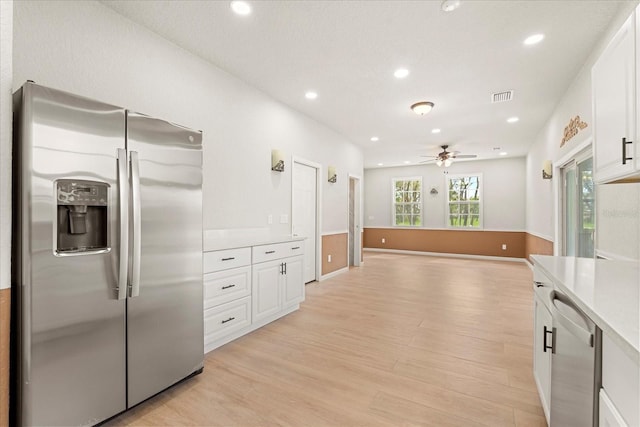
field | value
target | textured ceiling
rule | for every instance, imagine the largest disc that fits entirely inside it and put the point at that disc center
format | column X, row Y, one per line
column 347, row 52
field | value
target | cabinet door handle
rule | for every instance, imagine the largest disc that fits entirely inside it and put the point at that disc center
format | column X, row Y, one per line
column 624, row 151
column 294, row 248
column 546, row 347
column 228, row 320
column 228, row 259
column 538, row 284
column 285, row 268
column 228, row 286
column 270, row 252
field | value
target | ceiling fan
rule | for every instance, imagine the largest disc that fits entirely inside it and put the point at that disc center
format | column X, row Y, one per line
column 446, row 157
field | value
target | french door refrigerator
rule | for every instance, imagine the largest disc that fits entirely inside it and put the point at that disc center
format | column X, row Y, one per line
column 107, row 257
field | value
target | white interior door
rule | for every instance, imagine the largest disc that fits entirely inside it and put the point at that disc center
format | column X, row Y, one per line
column 304, row 214
column 354, row 222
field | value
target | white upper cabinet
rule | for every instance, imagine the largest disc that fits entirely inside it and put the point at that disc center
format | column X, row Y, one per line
column 615, row 107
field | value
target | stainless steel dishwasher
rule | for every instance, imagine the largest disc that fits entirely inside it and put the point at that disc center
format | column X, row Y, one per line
column 576, row 365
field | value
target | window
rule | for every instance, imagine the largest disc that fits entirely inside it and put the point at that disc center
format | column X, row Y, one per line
column 407, row 202
column 464, row 201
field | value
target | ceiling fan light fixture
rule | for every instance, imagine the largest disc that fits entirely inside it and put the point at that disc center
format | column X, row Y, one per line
column 439, row 162
column 422, row 108
column 447, row 163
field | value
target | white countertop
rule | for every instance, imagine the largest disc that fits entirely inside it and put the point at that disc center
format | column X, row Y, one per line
column 214, row 240
column 607, row 291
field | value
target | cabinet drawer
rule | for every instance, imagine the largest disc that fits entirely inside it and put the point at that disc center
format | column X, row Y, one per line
column 620, row 379
column 226, row 319
column 539, row 276
column 225, row 259
column 227, row 285
column 277, row 250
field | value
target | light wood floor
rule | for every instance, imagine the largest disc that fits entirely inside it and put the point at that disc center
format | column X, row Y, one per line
column 402, row 340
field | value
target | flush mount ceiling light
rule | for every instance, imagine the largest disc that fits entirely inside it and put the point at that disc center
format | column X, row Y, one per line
column 534, row 39
column 401, row 73
column 422, row 108
column 311, row 95
column 240, row 7
column 512, row 119
column 450, row 5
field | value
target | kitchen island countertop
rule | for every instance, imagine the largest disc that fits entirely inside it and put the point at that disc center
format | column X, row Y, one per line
column 607, row 291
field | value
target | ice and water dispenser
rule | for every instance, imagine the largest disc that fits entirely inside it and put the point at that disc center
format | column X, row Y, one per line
column 82, row 216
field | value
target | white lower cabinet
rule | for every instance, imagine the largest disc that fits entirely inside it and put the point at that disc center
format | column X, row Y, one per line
column 620, row 386
column 246, row 288
column 276, row 285
column 266, row 289
column 609, row 415
column 542, row 334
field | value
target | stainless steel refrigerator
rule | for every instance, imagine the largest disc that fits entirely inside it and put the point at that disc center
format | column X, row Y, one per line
column 107, row 257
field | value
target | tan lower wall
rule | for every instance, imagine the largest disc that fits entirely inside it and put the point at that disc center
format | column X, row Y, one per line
column 538, row 246
column 336, row 246
column 467, row 242
column 5, row 322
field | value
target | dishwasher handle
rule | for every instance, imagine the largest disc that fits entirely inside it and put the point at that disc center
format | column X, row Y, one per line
column 576, row 330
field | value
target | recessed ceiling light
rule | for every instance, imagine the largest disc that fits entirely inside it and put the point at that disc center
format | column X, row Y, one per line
column 401, row 73
column 311, row 95
column 450, row 5
column 374, row 139
column 240, row 7
column 504, row 153
column 380, row 164
column 422, row 108
column 512, row 119
column 534, row 39
column 406, row 162
column 435, row 130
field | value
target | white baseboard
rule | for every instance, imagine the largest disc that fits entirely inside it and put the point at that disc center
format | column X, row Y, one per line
column 333, row 274
column 448, row 255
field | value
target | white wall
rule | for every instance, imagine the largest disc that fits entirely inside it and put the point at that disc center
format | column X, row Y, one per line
column 503, row 192
column 90, row 50
column 6, row 78
column 541, row 203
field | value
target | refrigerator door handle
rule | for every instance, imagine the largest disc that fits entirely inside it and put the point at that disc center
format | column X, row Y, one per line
column 134, row 291
column 123, row 192
column 576, row 330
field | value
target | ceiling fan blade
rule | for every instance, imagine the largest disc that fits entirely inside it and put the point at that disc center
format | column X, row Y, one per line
column 465, row 156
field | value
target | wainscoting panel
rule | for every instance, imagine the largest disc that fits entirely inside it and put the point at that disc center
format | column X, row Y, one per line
column 538, row 246
column 466, row 242
column 335, row 245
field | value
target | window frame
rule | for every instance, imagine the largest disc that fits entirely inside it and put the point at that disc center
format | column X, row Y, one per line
column 420, row 204
column 447, row 217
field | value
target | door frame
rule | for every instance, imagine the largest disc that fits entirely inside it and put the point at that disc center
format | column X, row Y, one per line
column 557, row 190
column 357, row 241
column 318, row 168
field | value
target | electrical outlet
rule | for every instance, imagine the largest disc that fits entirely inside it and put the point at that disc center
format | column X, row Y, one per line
column 328, row 258
column 504, row 247
column 270, row 219
column 384, row 240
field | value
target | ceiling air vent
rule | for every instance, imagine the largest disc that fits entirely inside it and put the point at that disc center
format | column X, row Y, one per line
column 502, row 96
